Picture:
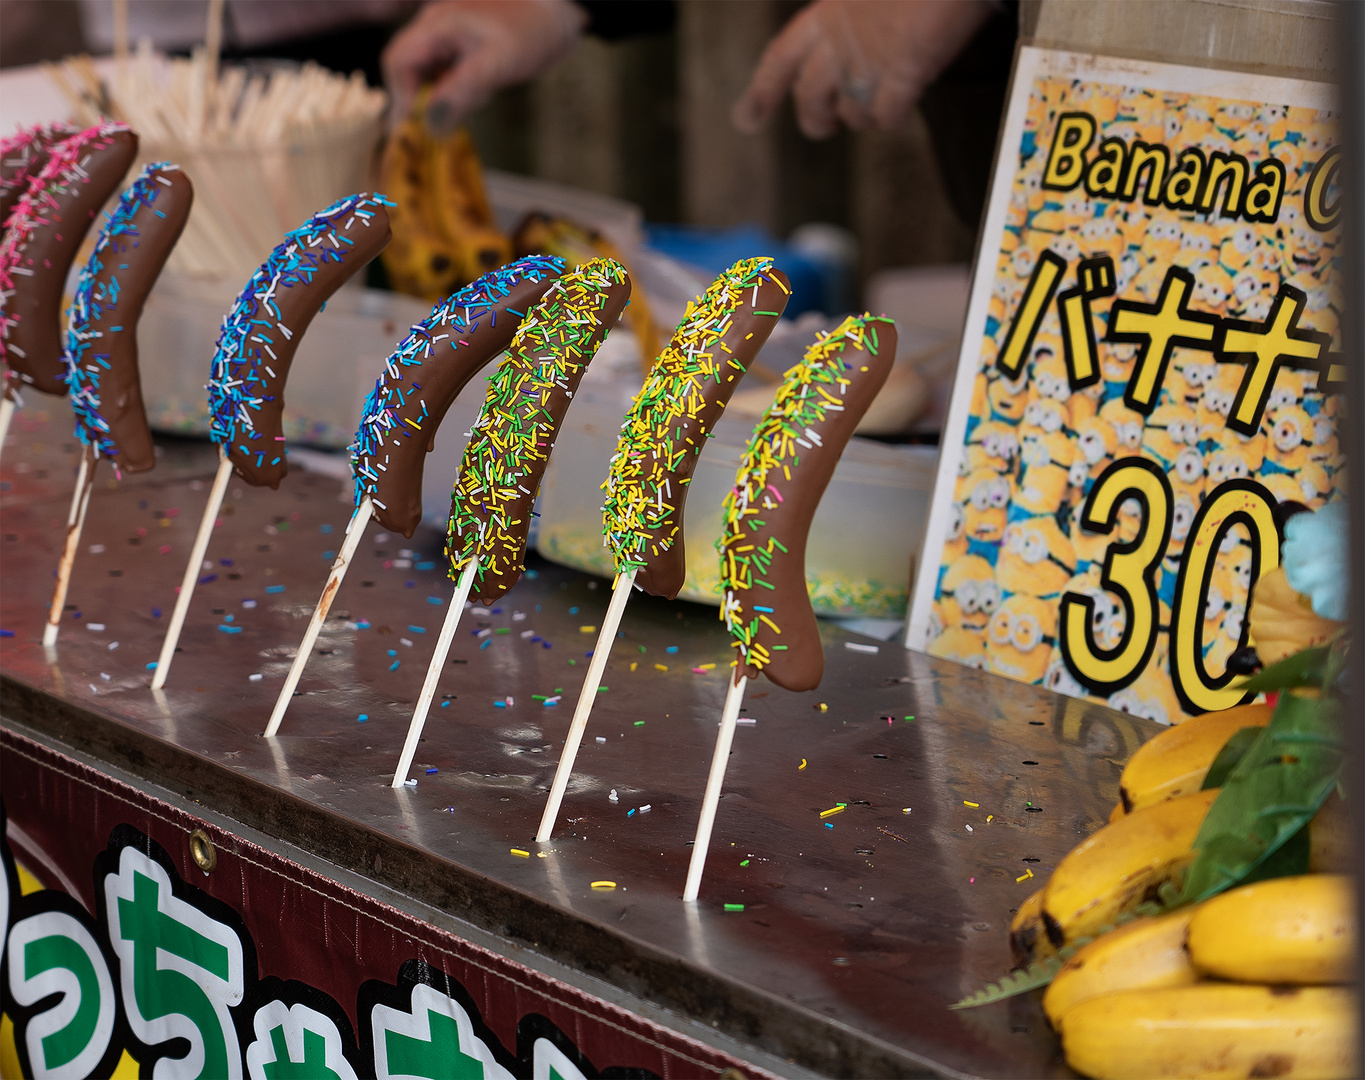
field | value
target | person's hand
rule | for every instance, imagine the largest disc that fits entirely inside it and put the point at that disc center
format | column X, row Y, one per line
column 471, row 48
column 863, row 62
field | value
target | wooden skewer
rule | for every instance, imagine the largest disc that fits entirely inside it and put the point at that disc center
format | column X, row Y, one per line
column 438, row 659
column 6, row 415
column 75, row 522
column 201, row 544
column 721, row 758
column 354, row 531
column 586, row 697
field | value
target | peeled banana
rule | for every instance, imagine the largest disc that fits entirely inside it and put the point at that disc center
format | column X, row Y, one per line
column 1028, row 937
column 1145, row 954
column 1215, row 1029
column 1122, row 864
column 1285, row 930
column 1175, row 761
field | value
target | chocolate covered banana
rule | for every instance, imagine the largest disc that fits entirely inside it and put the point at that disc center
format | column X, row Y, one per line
column 424, row 375
column 42, row 235
column 673, row 415
column 527, row 398
column 262, row 331
column 22, row 157
column 782, row 475
column 101, row 334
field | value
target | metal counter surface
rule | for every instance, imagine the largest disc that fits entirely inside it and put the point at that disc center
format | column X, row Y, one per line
column 857, row 930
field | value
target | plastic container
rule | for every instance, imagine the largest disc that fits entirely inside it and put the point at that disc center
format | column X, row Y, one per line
column 864, row 542
column 335, row 366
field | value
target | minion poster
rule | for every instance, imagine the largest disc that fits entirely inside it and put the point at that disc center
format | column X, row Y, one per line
column 1148, row 370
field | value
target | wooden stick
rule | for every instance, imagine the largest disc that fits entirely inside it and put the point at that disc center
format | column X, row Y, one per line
column 201, row 545
column 354, row 531
column 6, row 415
column 75, row 522
column 438, row 659
column 721, row 758
column 610, row 622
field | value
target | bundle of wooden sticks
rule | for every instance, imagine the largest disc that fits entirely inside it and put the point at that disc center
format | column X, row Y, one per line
column 266, row 145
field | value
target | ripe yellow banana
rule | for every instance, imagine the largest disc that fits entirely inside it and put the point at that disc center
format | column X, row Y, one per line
column 1028, row 938
column 1285, row 930
column 1175, row 761
column 1215, row 1029
column 1121, row 865
column 1117, row 812
column 1145, row 954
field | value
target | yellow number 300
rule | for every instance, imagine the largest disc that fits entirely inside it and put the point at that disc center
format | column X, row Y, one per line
column 1130, row 573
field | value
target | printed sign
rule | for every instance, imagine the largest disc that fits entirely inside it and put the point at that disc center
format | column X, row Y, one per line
column 1148, row 370
column 120, row 957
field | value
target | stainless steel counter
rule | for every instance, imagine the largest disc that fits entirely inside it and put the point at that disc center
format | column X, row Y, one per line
column 857, row 930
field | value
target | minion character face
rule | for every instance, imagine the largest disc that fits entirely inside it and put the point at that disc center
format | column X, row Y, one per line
column 1187, row 381
column 1151, row 696
column 984, row 510
column 1235, row 250
column 964, row 646
column 1127, row 425
column 968, row 594
column 1226, row 642
column 1250, row 448
column 1036, row 558
column 1170, row 430
column 1007, row 398
column 955, row 544
column 1043, row 488
column 1198, row 245
column 1107, row 615
column 1325, row 449
column 1185, row 506
column 1059, row 680
column 1212, row 286
column 1212, row 412
column 1287, row 447
column 1163, row 240
column 1043, row 416
column 1314, row 484
column 1095, row 445
column 998, row 445
column 1020, row 638
column 1284, row 487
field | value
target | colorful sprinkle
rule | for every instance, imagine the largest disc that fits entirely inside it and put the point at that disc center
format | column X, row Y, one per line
column 513, row 435
column 809, row 392
column 639, row 516
column 435, row 338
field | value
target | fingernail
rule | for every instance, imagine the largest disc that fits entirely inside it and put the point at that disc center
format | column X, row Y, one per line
column 440, row 118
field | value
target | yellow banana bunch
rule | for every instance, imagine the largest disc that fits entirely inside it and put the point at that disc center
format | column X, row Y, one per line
column 1109, row 873
column 1028, row 936
column 1215, row 1029
column 1145, row 954
column 443, row 230
column 1175, row 761
column 1285, row 930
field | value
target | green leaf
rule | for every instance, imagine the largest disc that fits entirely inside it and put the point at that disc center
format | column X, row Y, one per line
column 1305, row 668
column 1268, row 797
column 1233, row 751
column 1039, row 973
